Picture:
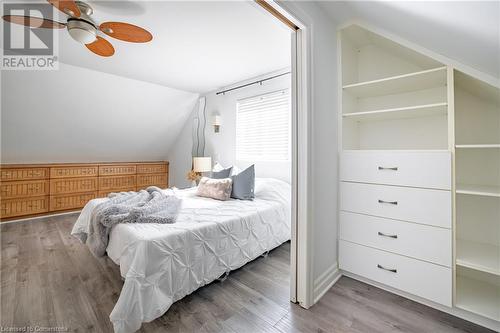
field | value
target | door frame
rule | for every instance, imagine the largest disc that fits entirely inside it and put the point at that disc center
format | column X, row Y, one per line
column 301, row 263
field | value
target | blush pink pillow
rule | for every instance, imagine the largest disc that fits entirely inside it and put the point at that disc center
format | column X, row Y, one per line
column 219, row 189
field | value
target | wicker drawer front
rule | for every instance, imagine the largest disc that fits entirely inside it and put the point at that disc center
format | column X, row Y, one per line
column 152, row 168
column 9, row 174
column 30, row 188
column 24, row 206
column 103, row 194
column 149, row 180
column 73, row 171
column 116, row 183
column 73, row 185
column 115, row 170
column 70, row 201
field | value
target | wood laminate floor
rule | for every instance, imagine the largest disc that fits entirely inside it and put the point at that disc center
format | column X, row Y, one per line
column 49, row 279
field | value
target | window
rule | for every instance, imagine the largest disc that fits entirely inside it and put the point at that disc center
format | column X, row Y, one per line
column 263, row 127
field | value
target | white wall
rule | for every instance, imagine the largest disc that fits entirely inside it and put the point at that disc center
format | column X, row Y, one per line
column 323, row 161
column 80, row 115
column 222, row 146
column 180, row 154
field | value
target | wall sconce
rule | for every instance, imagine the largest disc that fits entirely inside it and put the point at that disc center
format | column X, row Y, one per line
column 217, row 123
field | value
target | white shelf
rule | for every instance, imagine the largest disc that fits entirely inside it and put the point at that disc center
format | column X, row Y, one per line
column 398, row 84
column 479, row 146
column 479, row 256
column 400, row 113
column 490, row 191
column 478, row 297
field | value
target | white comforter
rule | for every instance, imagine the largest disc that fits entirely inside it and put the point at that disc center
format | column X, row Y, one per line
column 162, row 263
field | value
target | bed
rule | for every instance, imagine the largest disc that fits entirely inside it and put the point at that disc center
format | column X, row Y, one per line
column 162, row 263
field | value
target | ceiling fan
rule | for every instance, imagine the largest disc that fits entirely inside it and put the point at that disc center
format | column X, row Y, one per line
column 83, row 29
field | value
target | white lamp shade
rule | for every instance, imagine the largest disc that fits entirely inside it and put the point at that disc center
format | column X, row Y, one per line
column 202, row 164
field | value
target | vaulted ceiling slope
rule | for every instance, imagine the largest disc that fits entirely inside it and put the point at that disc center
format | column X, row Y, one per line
column 465, row 31
column 79, row 115
column 198, row 46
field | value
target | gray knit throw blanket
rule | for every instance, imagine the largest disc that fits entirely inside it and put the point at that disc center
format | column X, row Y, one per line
column 146, row 206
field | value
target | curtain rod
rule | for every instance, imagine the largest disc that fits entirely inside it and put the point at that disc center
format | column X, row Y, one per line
column 251, row 83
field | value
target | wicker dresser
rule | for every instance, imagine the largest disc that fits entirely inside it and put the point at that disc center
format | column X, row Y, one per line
column 36, row 189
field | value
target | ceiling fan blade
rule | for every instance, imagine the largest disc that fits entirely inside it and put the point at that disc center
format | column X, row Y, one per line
column 126, row 32
column 101, row 47
column 34, row 22
column 68, row 7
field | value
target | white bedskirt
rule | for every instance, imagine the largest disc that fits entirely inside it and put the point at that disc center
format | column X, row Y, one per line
column 162, row 263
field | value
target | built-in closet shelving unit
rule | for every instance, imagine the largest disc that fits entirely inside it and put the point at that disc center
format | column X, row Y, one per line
column 419, row 176
column 477, row 165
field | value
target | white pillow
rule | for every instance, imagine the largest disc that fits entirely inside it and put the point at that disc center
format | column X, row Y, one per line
column 219, row 167
column 235, row 170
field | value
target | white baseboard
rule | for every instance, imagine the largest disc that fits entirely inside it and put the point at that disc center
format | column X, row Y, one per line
column 325, row 281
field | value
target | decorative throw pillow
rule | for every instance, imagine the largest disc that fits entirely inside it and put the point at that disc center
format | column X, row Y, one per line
column 244, row 184
column 219, row 189
column 224, row 173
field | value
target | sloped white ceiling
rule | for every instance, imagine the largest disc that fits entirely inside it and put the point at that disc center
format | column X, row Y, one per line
column 198, row 46
column 466, row 31
column 80, row 115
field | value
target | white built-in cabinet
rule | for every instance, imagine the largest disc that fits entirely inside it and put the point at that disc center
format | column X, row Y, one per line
column 419, row 176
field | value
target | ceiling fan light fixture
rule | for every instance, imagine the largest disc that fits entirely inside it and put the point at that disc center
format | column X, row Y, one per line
column 69, row 12
column 81, row 31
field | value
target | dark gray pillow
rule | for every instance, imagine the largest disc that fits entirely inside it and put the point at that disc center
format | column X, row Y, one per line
column 226, row 173
column 244, row 184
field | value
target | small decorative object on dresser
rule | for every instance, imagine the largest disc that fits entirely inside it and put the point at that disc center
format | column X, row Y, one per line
column 200, row 165
column 34, row 189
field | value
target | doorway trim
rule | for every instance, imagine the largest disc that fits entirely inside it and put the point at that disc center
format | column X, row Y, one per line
column 301, row 263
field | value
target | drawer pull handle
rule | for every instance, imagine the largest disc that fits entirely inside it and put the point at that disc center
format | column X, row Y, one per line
column 388, row 168
column 388, row 202
column 393, row 270
column 386, row 235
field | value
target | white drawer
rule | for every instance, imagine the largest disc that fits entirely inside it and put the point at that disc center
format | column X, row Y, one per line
column 425, row 206
column 414, row 240
column 418, row 169
column 416, row 277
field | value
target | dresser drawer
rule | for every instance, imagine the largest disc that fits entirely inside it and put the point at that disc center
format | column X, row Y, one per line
column 70, row 201
column 117, row 169
column 152, row 168
column 159, row 180
column 73, row 185
column 414, row 240
column 103, row 194
column 10, row 174
column 418, row 169
column 73, row 171
column 24, row 206
column 416, row 277
column 30, row 188
column 112, row 183
column 425, row 206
